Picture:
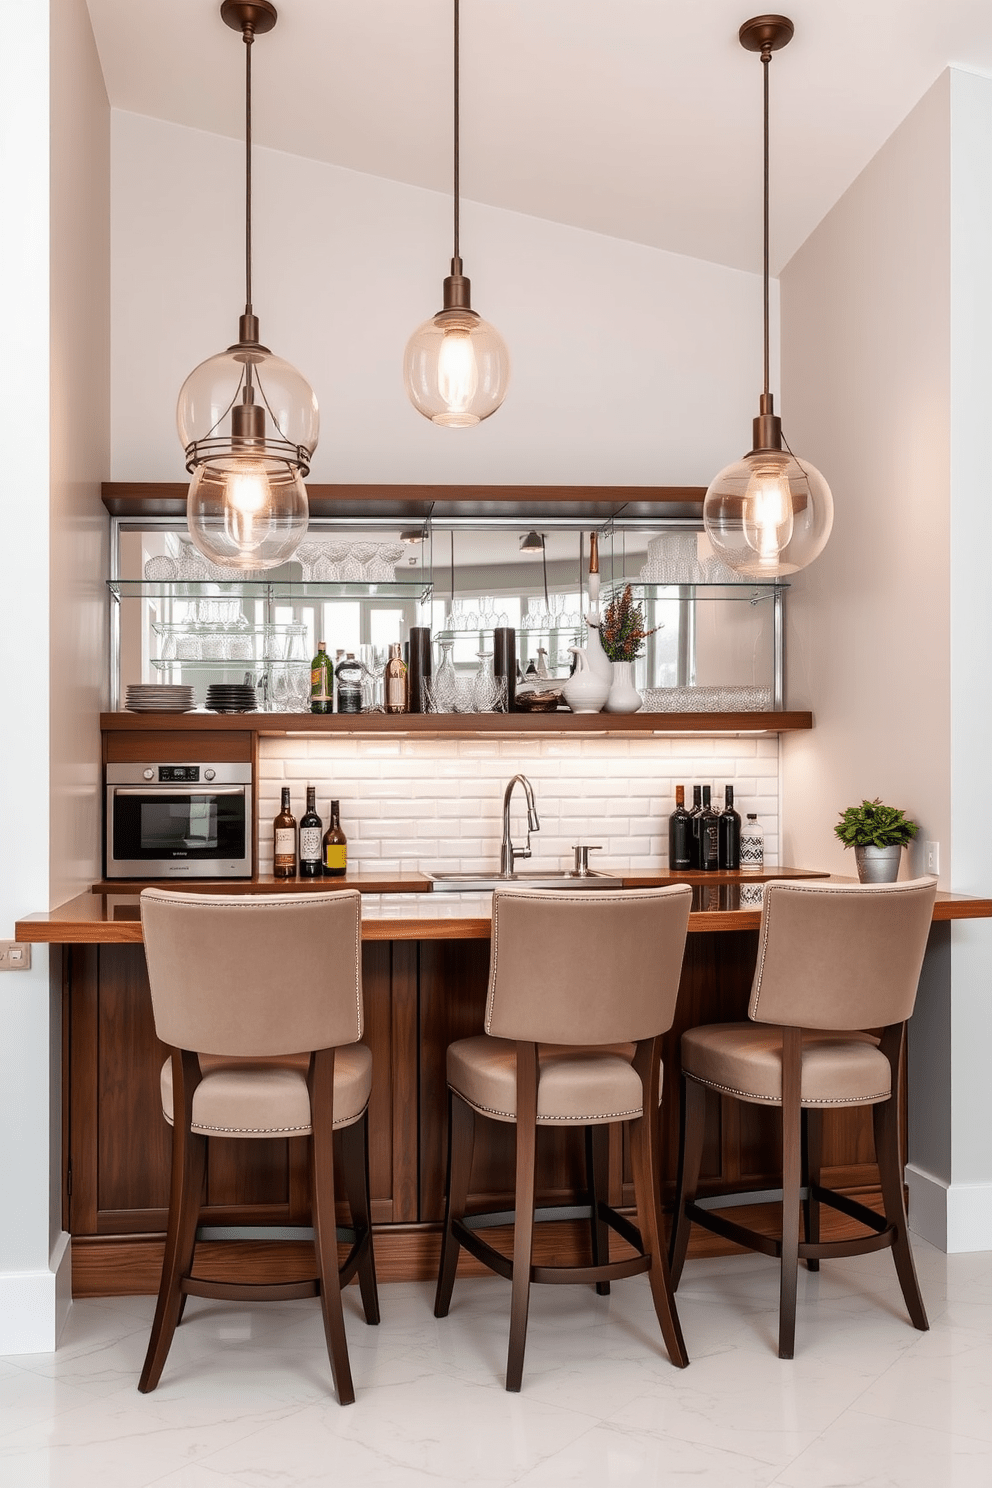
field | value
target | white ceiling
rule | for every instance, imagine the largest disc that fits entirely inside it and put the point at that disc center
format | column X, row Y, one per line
column 640, row 119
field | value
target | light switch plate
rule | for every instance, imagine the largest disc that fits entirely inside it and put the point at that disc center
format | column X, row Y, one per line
column 14, row 955
column 931, row 852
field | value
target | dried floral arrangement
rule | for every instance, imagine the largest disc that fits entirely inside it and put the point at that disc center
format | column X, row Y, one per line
column 621, row 629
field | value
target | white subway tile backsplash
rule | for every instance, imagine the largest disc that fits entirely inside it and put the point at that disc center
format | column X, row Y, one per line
column 412, row 802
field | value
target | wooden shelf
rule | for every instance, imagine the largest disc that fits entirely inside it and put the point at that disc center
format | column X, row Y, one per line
column 449, row 724
column 413, row 503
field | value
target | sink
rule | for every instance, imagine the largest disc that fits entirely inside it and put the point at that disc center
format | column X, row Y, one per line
column 466, row 882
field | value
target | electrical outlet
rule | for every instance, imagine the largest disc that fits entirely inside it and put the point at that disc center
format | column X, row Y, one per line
column 14, row 955
column 931, row 852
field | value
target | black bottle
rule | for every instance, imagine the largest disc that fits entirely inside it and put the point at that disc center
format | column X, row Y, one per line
column 679, row 835
column 311, row 831
column 694, row 828
column 729, row 833
column 708, row 829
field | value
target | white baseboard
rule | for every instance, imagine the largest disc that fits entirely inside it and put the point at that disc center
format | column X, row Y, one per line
column 955, row 1217
column 35, row 1304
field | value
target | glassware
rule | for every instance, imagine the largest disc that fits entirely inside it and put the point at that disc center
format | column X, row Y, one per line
column 445, row 678
column 373, row 659
column 489, row 690
column 464, row 695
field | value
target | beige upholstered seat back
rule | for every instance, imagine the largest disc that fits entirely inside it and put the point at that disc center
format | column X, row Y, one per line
column 585, row 967
column 254, row 974
column 841, row 956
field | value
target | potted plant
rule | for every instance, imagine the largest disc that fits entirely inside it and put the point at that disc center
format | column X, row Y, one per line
column 878, row 835
column 623, row 635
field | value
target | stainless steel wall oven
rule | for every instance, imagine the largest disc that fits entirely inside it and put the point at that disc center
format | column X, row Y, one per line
column 179, row 820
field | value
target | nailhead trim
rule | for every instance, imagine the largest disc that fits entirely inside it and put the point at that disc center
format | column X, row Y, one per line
column 512, row 1115
column 776, row 1100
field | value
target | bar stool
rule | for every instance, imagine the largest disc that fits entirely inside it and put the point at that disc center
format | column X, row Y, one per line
column 581, row 987
column 833, row 959
column 240, row 984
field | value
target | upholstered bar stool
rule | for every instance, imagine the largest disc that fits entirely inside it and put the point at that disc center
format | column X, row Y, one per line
column 833, row 960
column 240, row 985
column 581, row 987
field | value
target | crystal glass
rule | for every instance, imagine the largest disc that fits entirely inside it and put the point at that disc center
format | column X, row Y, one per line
column 373, row 659
column 442, row 692
column 489, row 690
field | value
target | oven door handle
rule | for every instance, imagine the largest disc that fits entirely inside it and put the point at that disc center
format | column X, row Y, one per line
column 177, row 790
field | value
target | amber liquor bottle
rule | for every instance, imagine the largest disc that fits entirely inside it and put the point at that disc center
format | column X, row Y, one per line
column 335, row 846
column 284, row 843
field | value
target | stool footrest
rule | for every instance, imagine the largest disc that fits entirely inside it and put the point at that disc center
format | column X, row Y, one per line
column 882, row 1239
column 464, row 1231
column 248, row 1291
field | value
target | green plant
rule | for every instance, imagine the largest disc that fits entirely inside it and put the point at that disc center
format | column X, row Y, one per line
column 622, row 627
column 873, row 825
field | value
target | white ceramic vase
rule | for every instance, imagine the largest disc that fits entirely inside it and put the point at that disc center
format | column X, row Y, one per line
column 623, row 695
column 597, row 659
column 585, row 691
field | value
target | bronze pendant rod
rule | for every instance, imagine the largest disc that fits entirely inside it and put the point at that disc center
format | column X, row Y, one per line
column 766, row 57
column 248, row 36
column 457, row 187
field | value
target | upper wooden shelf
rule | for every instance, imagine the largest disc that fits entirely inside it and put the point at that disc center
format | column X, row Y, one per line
column 416, row 503
column 465, row 723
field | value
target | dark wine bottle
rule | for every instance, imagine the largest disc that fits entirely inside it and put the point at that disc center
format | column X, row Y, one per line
column 311, row 830
column 679, row 835
column 709, row 840
column 284, row 840
column 335, row 846
column 694, row 814
column 729, row 833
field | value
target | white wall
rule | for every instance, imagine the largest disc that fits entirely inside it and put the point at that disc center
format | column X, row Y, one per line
column 54, row 401
column 887, row 318
column 629, row 365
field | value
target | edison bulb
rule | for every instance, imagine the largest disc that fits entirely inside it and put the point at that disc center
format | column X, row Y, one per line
column 456, row 369
column 768, row 514
column 246, row 511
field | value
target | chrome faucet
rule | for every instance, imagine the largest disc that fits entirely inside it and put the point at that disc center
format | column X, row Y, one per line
column 508, row 853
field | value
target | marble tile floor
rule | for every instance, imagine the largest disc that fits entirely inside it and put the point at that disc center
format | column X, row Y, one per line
column 245, row 1398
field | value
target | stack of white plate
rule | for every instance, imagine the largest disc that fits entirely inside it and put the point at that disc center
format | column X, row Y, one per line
column 159, row 697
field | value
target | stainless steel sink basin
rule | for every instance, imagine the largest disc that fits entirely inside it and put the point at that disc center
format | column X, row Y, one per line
column 467, row 882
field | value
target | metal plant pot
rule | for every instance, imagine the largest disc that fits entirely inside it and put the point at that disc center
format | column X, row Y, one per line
column 878, row 864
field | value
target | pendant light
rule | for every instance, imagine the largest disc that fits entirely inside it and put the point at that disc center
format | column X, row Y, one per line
column 247, row 420
column 770, row 513
column 456, row 366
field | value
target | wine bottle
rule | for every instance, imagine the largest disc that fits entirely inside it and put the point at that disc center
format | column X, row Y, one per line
column 679, row 835
column 697, row 806
column 396, row 699
column 321, row 681
column 729, row 833
column 311, row 829
column 284, row 845
column 335, row 846
column 709, row 841
column 752, row 845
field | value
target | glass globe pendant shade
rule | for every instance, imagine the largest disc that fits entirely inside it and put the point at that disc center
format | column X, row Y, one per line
column 248, row 422
column 246, row 512
column 768, row 514
column 456, row 368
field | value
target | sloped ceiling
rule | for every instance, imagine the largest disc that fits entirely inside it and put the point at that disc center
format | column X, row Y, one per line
column 640, row 119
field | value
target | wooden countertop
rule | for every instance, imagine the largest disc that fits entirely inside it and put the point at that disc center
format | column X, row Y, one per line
column 111, row 915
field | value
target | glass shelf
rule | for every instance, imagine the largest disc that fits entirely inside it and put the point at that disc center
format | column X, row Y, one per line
column 749, row 591
column 273, row 589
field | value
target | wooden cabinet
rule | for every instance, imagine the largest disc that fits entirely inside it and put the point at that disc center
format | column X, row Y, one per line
column 419, row 996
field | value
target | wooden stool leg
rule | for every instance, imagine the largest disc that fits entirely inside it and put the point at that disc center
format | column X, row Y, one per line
column 791, row 1182
column 597, row 1181
column 523, row 1225
column 693, row 1129
column 321, row 1081
column 812, row 1162
column 461, row 1141
column 188, row 1162
column 644, row 1149
column 354, row 1147
column 886, row 1122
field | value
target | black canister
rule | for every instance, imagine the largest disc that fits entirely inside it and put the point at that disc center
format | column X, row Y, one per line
column 419, row 663
column 505, row 661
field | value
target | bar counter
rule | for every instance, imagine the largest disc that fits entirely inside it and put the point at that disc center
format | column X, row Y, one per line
column 425, row 965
